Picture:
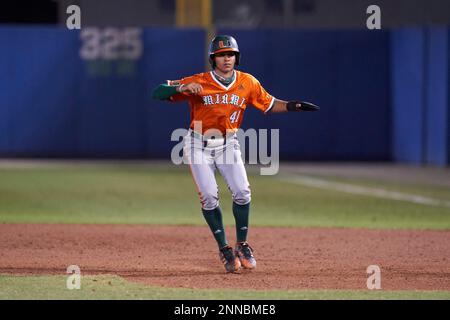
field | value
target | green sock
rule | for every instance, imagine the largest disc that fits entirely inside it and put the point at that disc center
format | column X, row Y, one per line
column 241, row 213
column 214, row 220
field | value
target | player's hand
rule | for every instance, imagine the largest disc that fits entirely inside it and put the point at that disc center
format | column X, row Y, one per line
column 301, row 106
column 192, row 87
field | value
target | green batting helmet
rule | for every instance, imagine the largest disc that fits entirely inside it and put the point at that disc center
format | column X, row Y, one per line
column 223, row 43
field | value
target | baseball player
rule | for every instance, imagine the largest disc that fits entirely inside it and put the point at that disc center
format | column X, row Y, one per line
column 217, row 101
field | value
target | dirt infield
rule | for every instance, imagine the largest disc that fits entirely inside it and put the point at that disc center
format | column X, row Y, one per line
column 288, row 258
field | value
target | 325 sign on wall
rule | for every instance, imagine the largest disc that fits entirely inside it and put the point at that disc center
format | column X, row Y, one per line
column 111, row 51
column 111, row 43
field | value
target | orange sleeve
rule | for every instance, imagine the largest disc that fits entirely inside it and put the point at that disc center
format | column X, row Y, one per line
column 181, row 96
column 259, row 97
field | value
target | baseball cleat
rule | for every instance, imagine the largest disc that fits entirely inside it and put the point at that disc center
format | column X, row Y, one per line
column 231, row 263
column 245, row 254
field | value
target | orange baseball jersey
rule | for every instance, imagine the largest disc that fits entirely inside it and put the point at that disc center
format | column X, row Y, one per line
column 222, row 107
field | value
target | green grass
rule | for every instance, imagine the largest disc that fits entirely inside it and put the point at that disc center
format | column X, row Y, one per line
column 113, row 287
column 167, row 195
column 426, row 190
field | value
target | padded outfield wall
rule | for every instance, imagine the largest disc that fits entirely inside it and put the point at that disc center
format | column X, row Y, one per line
column 87, row 94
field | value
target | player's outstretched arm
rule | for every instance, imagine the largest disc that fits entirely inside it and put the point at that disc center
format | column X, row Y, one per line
column 284, row 106
column 165, row 91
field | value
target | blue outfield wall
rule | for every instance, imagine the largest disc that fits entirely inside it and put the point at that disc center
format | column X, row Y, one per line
column 408, row 95
column 345, row 72
column 55, row 103
column 437, row 143
column 420, row 72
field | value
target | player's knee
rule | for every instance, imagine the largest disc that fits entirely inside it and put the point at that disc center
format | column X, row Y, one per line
column 209, row 200
column 242, row 196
